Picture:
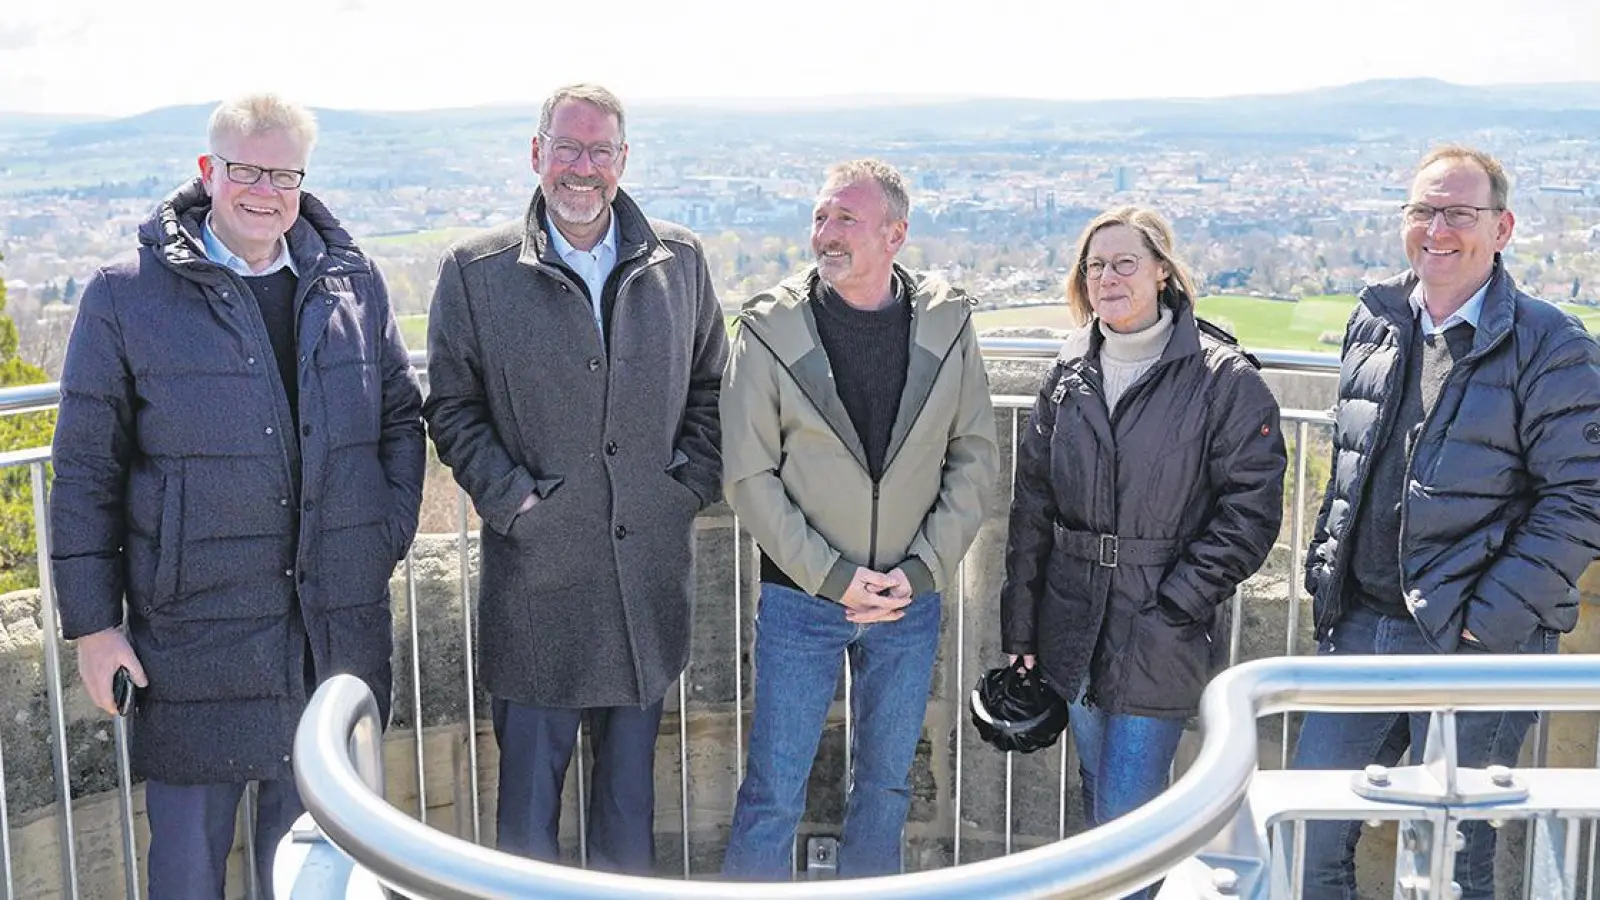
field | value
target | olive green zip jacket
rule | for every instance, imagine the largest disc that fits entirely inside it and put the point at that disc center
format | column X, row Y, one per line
column 795, row 470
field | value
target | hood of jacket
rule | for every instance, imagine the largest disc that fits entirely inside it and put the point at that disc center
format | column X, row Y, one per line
column 782, row 319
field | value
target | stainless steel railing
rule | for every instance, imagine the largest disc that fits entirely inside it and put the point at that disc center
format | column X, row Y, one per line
column 1125, row 855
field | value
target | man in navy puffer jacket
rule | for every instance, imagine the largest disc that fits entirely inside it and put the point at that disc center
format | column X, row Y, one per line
column 1464, row 498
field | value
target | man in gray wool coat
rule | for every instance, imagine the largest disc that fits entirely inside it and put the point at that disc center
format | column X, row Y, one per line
column 575, row 359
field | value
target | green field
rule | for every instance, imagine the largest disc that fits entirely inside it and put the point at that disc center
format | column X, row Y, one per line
column 1279, row 324
column 1258, row 323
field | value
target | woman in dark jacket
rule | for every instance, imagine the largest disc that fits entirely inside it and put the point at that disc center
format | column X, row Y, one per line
column 1149, row 484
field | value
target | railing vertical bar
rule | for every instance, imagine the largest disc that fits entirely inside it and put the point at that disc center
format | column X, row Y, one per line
column 683, row 764
column 849, row 733
column 53, row 687
column 1235, row 624
column 130, row 847
column 413, row 610
column 469, row 666
column 247, row 828
column 1016, row 447
column 7, row 881
column 1061, row 799
column 961, row 681
column 1297, row 542
column 1009, row 758
column 1297, row 868
column 583, row 797
column 738, row 660
column 1594, row 835
column 1541, row 758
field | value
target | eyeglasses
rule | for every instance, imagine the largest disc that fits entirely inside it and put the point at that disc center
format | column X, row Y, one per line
column 1122, row 265
column 1460, row 216
column 244, row 173
column 566, row 150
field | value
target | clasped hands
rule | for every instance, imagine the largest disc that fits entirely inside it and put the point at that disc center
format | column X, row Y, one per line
column 876, row 596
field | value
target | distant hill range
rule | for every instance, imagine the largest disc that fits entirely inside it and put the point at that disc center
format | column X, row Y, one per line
column 1367, row 110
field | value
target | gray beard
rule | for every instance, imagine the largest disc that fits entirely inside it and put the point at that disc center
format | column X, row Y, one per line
column 573, row 215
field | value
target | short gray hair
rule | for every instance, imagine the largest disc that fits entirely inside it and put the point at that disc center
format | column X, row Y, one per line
column 897, row 200
column 592, row 94
column 255, row 114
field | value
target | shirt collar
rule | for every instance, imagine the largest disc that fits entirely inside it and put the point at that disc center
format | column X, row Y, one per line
column 564, row 247
column 218, row 252
column 1469, row 312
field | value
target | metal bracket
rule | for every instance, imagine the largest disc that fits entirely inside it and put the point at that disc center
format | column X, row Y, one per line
column 822, row 857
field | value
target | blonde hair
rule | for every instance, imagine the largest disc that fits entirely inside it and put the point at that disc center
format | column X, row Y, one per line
column 1156, row 234
column 255, row 114
column 896, row 199
column 1499, row 183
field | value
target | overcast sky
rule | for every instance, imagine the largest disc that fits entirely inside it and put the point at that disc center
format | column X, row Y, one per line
column 125, row 56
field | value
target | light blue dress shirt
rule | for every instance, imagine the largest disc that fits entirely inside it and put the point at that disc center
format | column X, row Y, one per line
column 593, row 266
column 1468, row 313
column 218, row 252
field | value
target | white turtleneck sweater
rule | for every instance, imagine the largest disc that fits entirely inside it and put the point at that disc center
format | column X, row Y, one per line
column 1125, row 357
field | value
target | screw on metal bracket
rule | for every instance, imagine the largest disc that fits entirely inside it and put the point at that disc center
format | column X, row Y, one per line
column 1225, row 881
column 1500, row 775
column 1377, row 775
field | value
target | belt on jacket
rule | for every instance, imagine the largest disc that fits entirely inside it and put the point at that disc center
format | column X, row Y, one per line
column 1110, row 551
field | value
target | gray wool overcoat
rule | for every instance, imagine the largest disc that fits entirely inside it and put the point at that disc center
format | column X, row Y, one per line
column 584, row 599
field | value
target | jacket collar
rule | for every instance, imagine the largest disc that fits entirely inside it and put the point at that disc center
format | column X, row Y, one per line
column 1081, row 349
column 786, row 323
column 318, row 244
column 1391, row 301
column 635, row 237
column 783, row 320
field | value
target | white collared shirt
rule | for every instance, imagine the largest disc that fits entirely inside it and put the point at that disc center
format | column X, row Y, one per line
column 218, row 252
column 593, row 266
column 1468, row 313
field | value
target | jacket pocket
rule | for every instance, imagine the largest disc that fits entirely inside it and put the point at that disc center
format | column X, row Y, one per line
column 169, row 540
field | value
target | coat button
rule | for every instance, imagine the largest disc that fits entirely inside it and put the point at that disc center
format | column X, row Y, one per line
column 305, row 430
column 611, row 448
column 251, row 361
column 621, row 532
column 594, row 363
column 309, row 506
column 288, row 573
column 565, row 289
column 283, row 501
column 328, row 301
column 269, row 429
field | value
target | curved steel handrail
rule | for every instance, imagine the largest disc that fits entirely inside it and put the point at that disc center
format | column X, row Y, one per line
column 39, row 397
column 1109, row 861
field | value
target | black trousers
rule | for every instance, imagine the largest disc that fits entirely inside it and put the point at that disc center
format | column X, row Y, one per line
column 536, row 744
column 191, row 832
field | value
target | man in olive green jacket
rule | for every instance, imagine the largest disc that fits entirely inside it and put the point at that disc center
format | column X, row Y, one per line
column 859, row 451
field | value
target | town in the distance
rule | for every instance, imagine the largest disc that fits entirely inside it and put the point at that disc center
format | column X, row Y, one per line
column 1285, row 205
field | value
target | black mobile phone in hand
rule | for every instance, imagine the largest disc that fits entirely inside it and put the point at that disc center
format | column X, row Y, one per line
column 122, row 690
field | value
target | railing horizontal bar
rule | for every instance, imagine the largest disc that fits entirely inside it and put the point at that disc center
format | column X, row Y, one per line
column 40, row 397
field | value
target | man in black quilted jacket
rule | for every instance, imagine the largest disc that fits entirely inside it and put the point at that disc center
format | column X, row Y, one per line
column 1464, row 498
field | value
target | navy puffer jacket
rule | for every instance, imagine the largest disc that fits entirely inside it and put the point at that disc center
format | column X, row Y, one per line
column 1501, row 513
column 183, row 486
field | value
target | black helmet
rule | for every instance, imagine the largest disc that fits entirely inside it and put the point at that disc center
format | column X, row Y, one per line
column 1014, row 709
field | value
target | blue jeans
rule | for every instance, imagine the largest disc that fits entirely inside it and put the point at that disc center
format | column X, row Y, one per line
column 801, row 642
column 1355, row 740
column 1123, row 761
